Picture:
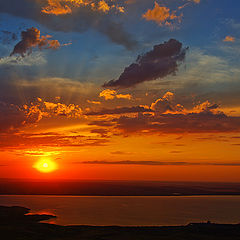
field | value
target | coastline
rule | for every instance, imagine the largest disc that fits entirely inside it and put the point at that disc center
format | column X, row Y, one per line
column 16, row 224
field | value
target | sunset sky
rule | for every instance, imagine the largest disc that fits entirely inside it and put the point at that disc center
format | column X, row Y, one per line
column 120, row 89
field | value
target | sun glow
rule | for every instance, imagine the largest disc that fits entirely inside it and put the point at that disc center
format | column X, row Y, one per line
column 45, row 165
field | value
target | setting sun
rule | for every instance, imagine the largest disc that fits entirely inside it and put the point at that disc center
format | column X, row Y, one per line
column 45, row 165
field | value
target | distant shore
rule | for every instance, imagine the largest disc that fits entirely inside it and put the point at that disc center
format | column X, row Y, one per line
column 116, row 188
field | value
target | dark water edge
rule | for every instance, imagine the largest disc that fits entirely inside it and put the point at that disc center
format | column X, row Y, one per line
column 16, row 224
column 115, row 188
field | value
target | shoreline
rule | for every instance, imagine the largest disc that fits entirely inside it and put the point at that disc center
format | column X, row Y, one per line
column 17, row 224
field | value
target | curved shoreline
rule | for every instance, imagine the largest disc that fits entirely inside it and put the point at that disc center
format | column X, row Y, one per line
column 16, row 224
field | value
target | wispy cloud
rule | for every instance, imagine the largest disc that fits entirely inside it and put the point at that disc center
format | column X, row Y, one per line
column 121, row 110
column 160, row 163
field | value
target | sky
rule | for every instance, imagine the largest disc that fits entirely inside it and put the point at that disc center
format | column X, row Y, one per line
column 120, row 89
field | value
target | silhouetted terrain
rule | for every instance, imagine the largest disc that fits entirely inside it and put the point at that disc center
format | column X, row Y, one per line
column 116, row 188
column 16, row 225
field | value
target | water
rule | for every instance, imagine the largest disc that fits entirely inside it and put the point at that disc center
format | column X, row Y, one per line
column 132, row 211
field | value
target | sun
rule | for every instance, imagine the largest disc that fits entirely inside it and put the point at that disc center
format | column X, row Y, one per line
column 45, row 165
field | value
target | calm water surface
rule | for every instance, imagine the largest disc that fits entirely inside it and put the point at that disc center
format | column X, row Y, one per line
column 132, row 211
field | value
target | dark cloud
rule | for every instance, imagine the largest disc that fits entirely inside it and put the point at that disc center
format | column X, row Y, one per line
column 203, row 118
column 101, row 131
column 160, row 62
column 80, row 20
column 11, row 117
column 179, row 123
column 159, row 163
column 121, row 110
column 119, row 153
column 31, row 38
column 101, row 123
column 167, row 116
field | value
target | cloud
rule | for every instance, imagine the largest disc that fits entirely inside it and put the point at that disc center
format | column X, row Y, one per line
column 11, row 117
column 121, row 110
column 196, row 1
column 207, row 107
column 229, row 39
column 165, row 104
column 31, row 38
column 94, row 102
column 162, row 16
column 19, row 140
column 120, row 153
column 35, row 111
column 101, row 123
column 62, row 7
column 178, row 123
column 36, row 58
column 160, row 62
column 160, row 163
column 167, row 116
column 109, row 94
column 80, row 20
column 101, row 131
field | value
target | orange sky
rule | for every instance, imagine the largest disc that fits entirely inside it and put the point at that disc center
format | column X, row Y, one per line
column 120, row 90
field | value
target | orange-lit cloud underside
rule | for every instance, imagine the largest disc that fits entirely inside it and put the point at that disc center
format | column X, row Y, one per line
column 160, row 141
column 62, row 7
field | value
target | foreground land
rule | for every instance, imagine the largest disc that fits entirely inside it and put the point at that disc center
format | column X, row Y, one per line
column 17, row 224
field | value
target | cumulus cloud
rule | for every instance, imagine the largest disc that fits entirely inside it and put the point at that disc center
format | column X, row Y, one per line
column 162, row 16
column 109, row 94
column 13, row 116
column 166, row 116
column 160, row 62
column 80, row 20
column 207, row 107
column 229, row 39
column 165, row 104
column 31, row 38
column 62, row 7
column 35, row 111
column 179, row 123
